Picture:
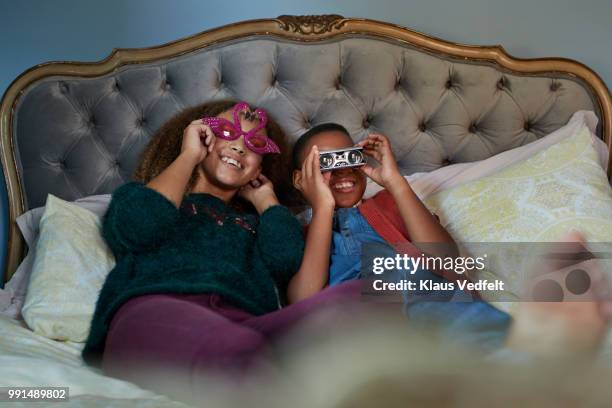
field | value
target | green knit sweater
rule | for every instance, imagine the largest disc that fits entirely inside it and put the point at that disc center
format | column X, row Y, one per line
column 203, row 247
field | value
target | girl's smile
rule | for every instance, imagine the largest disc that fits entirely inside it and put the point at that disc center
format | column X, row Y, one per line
column 231, row 165
column 233, row 162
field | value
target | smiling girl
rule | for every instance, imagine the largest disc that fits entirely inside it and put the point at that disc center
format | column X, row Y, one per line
column 204, row 251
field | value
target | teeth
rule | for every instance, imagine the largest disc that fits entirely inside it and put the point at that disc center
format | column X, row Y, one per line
column 231, row 161
column 344, row 184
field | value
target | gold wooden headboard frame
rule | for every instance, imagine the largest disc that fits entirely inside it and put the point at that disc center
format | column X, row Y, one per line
column 296, row 28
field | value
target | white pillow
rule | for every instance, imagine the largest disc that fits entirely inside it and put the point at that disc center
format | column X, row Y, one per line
column 14, row 292
column 71, row 263
column 426, row 184
column 540, row 199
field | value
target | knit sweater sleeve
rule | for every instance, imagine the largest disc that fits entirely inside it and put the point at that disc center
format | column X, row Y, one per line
column 280, row 242
column 138, row 218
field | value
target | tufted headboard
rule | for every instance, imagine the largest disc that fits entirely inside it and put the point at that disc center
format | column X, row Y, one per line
column 77, row 129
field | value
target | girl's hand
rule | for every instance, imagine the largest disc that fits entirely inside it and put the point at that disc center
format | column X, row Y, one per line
column 378, row 147
column 198, row 140
column 313, row 184
column 260, row 193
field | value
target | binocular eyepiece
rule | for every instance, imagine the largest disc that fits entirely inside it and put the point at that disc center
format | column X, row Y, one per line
column 341, row 158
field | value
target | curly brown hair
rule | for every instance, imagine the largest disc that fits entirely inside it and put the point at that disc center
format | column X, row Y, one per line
column 165, row 147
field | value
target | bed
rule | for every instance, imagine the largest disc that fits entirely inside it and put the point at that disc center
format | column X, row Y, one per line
column 75, row 130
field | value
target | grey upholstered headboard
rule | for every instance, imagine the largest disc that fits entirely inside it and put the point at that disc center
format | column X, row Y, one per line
column 77, row 129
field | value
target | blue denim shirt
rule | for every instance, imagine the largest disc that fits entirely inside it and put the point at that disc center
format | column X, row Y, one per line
column 350, row 231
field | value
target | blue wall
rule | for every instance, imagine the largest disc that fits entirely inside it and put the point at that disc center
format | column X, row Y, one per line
column 32, row 32
column 36, row 31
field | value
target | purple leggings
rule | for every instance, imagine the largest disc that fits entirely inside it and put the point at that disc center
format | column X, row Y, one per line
column 184, row 336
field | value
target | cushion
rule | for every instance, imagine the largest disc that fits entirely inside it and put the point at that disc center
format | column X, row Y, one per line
column 425, row 184
column 13, row 294
column 69, row 269
column 539, row 199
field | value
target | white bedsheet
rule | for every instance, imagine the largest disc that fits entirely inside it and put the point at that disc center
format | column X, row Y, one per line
column 30, row 360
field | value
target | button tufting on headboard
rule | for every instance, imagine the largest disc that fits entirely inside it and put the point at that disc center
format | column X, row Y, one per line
column 95, row 119
column 76, row 129
column 63, row 87
column 366, row 122
column 501, row 84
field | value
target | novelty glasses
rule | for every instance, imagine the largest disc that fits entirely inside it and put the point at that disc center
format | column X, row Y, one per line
column 254, row 139
column 341, row 158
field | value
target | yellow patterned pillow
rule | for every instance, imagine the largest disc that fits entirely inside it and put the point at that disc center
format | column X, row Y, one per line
column 70, row 266
column 539, row 199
